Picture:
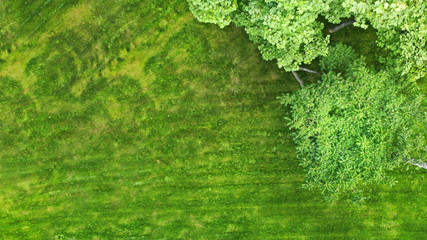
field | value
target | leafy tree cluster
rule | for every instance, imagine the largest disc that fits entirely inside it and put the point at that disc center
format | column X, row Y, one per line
column 285, row 30
column 213, row 11
column 290, row 31
column 401, row 28
column 356, row 123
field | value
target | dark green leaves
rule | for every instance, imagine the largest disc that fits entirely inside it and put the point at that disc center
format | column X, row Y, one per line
column 353, row 126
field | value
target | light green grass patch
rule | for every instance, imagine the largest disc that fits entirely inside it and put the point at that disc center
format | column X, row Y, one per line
column 129, row 119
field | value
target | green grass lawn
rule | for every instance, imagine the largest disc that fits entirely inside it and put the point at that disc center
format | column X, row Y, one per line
column 131, row 120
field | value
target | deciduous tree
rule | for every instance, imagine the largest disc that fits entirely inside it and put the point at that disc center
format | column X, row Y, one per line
column 287, row 31
column 213, row 11
column 354, row 125
column 290, row 30
column 401, row 29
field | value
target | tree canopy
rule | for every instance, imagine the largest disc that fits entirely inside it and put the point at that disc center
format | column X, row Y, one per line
column 401, row 29
column 291, row 31
column 354, row 125
column 285, row 30
column 213, row 11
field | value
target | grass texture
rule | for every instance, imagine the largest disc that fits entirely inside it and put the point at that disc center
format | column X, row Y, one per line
column 131, row 120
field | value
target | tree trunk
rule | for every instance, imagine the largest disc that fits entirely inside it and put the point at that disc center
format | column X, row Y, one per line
column 417, row 163
column 310, row 71
column 298, row 79
column 342, row 25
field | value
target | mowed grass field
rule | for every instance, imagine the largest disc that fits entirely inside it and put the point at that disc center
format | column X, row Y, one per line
column 131, row 120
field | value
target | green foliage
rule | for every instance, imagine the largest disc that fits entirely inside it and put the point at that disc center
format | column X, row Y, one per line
column 287, row 31
column 340, row 57
column 353, row 126
column 152, row 126
column 402, row 29
column 291, row 33
column 213, row 11
column 334, row 11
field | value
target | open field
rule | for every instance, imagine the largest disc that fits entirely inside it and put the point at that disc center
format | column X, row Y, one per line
column 131, row 120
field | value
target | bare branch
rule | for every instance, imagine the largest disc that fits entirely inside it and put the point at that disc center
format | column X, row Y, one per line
column 417, row 163
column 413, row 161
column 309, row 70
column 342, row 25
column 298, row 79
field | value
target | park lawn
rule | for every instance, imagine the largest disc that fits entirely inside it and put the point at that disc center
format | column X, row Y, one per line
column 129, row 119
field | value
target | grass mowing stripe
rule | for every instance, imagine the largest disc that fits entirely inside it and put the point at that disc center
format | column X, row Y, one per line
column 49, row 17
column 35, row 13
column 182, row 138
